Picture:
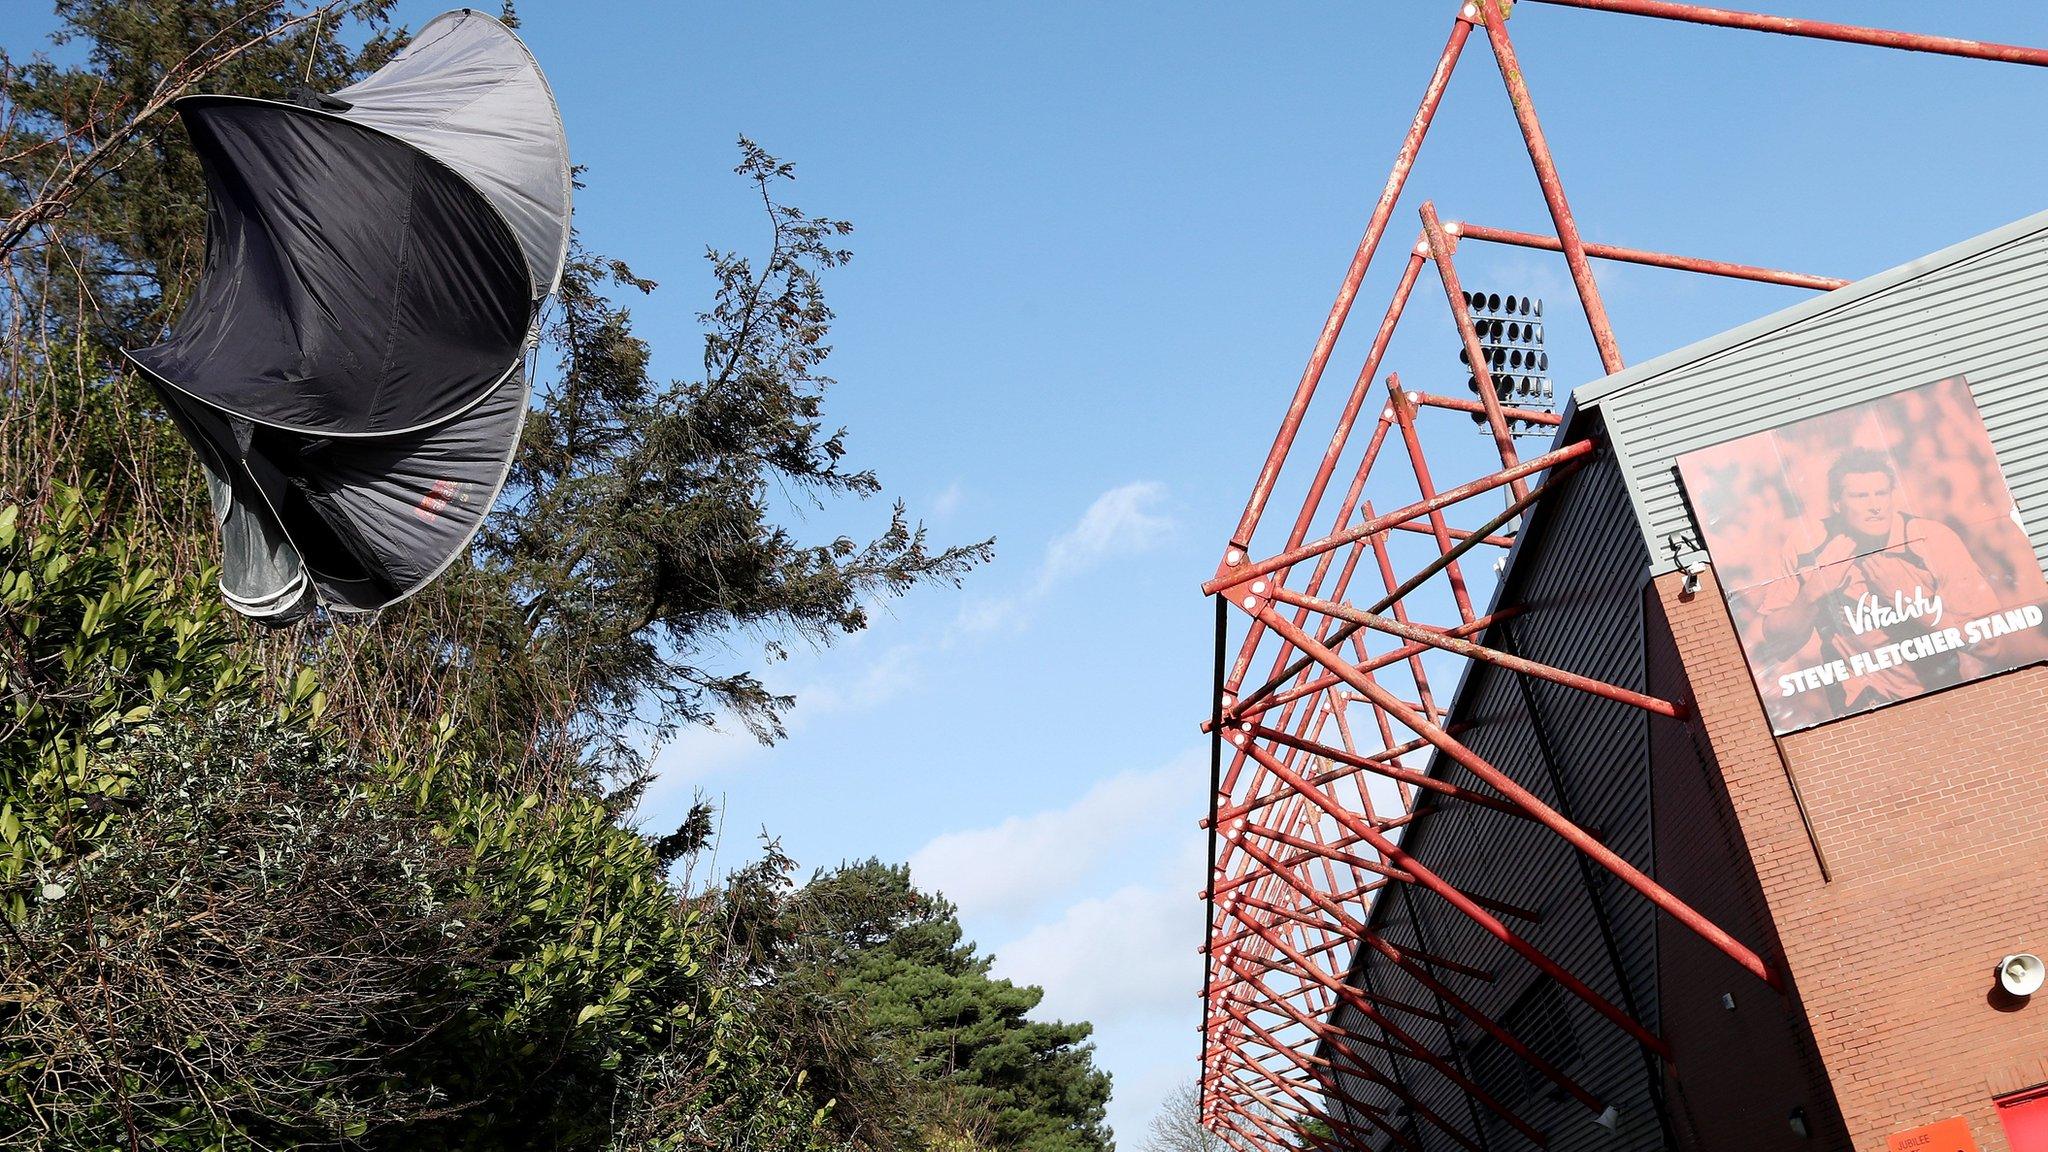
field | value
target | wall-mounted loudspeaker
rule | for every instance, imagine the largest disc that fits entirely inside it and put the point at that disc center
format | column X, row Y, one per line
column 2021, row 973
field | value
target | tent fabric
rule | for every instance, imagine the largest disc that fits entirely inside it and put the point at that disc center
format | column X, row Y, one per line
column 402, row 507
column 350, row 368
column 467, row 92
column 262, row 574
column 353, row 285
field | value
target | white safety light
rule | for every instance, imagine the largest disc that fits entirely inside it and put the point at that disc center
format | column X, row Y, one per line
column 2021, row 973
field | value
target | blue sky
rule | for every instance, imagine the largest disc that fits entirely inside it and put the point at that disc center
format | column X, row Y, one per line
column 1093, row 247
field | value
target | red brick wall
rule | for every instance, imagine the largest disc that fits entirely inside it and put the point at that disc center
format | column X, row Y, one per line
column 1740, row 1070
column 1932, row 816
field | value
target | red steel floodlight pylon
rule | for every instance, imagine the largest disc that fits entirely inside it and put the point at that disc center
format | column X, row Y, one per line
column 1302, row 841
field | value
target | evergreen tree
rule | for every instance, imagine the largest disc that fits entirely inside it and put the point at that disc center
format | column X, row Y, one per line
column 902, row 956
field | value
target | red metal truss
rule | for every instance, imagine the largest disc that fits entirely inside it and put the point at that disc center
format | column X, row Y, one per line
column 1319, row 762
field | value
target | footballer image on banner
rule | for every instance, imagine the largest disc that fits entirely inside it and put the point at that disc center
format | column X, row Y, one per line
column 1869, row 555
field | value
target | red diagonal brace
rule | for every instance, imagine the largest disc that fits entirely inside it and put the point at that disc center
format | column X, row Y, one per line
column 1478, row 915
column 1578, row 837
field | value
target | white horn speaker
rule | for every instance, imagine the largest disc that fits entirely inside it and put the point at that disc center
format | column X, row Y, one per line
column 2021, row 973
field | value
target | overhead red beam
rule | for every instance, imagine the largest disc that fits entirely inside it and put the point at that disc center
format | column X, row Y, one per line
column 1471, row 231
column 1817, row 30
column 1480, row 916
column 1415, row 1048
column 1440, row 254
column 1483, row 654
column 1380, row 523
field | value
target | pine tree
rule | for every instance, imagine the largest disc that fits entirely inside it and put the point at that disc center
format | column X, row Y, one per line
column 901, row 954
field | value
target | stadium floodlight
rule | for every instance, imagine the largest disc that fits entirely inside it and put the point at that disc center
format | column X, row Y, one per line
column 1510, row 330
column 351, row 368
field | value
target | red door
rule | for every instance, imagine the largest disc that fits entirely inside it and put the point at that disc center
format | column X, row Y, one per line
column 2025, row 1116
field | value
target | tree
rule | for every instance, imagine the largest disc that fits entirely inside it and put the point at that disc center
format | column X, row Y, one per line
column 639, row 531
column 901, row 954
column 1177, row 1125
column 415, row 824
column 638, row 524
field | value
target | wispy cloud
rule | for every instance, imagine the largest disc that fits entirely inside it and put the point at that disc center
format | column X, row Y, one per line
column 700, row 750
column 1111, row 959
column 1012, row 869
column 1122, row 520
column 948, row 501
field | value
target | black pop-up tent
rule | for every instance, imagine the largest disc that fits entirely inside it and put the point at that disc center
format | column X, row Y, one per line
column 350, row 368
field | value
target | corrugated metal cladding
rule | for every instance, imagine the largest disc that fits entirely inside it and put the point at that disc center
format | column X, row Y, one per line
column 1974, row 309
column 1580, row 571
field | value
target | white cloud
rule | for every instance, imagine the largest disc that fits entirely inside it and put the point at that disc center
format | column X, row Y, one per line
column 700, row 751
column 1010, row 869
column 948, row 501
column 1122, row 520
column 983, row 615
column 893, row 671
column 1129, row 954
column 695, row 753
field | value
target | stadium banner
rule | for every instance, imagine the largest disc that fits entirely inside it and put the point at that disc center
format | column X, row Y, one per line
column 1869, row 555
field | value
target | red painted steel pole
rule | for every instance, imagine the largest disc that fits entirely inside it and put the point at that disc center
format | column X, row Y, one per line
column 1380, row 523
column 1394, row 595
column 1471, row 231
column 1301, row 1105
column 1364, row 1071
column 1383, row 560
column 1495, row 12
column 1483, row 975
column 1481, row 916
column 1674, row 907
column 1530, row 415
column 1326, row 342
column 1406, row 775
column 1419, row 779
column 1483, row 654
column 1416, row 1048
column 1373, row 665
column 1334, row 850
column 1513, row 1043
column 1357, row 1065
column 1441, row 250
column 1464, row 1007
column 1332, row 1086
column 1359, row 390
column 1404, row 417
column 1817, row 30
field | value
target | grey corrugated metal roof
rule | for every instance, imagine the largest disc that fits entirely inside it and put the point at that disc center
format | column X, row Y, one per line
column 1977, row 309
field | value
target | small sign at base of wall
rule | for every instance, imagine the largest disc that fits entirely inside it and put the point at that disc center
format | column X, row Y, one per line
column 1952, row 1135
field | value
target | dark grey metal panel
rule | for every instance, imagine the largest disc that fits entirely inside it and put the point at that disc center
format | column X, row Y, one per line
column 1972, row 310
column 1580, row 572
